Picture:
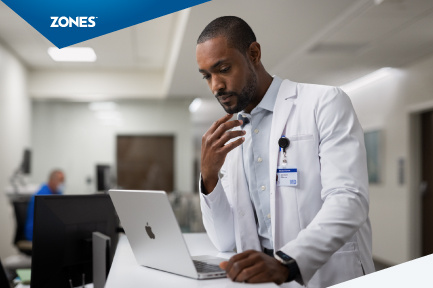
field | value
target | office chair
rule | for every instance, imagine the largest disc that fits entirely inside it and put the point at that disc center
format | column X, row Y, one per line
column 20, row 241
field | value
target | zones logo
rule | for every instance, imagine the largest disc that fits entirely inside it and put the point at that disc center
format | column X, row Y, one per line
column 69, row 21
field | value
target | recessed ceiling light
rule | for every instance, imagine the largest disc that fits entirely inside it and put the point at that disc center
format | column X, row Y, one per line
column 72, row 54
column 195, row 104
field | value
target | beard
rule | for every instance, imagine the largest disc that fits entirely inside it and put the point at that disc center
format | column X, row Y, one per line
column 244, row 97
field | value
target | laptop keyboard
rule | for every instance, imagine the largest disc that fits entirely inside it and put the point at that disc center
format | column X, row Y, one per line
column 203, row 267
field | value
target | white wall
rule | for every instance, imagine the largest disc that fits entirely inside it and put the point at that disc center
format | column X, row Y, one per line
column 15, row 111
column 394, row 208
column 69, row 136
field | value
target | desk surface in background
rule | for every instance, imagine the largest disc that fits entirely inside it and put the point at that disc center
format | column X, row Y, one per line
column 126, row 273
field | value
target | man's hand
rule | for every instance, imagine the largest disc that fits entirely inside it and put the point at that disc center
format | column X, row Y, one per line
column 214, row 149
column 255, row 267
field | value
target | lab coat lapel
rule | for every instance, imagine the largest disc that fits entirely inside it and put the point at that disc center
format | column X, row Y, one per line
column 283, row 107
column 245, row 225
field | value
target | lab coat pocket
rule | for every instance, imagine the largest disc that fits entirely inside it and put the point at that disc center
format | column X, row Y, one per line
column 343, row 265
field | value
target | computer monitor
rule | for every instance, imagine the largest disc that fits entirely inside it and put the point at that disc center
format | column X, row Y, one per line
column 26, row 164
column 4, row 282
column 62, row 237
column 102, row 177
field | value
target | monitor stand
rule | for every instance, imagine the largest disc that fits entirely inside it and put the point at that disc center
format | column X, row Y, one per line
column 101, row 258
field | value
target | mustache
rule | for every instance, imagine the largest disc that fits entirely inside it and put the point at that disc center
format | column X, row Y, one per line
column 228, row 93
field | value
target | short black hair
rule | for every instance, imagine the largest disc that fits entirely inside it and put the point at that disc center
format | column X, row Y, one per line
column 238, row 33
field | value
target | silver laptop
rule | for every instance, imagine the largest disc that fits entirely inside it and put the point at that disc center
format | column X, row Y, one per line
column 155, row 236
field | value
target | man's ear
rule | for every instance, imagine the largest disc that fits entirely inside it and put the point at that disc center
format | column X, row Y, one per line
column 254, row 53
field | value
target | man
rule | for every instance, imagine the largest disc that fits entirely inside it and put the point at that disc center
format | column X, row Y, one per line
column 287, row 179
column 55, row 185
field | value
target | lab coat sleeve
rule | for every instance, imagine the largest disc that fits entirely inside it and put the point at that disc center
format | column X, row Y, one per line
column 218, row 217
column 344, row 185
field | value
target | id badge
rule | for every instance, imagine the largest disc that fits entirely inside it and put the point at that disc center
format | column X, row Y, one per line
column 287, row 176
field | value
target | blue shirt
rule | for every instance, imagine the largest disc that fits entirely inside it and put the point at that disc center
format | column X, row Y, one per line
column 44, row 190
column 255, row 152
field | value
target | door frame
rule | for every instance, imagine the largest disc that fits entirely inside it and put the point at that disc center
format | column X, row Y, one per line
column 414, row 164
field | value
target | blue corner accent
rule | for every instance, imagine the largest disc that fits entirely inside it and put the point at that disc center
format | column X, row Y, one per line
column 79, row 20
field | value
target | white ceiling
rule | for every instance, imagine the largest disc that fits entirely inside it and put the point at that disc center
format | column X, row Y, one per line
column 326, row 42
column 144, row 46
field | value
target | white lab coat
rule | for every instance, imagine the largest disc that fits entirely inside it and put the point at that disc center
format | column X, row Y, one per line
column 322, row 222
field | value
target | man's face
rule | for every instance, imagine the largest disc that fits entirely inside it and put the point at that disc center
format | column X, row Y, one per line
column 59, row 179
column 228, row 73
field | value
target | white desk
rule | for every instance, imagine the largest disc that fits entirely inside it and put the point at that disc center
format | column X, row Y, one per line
column 126, row 273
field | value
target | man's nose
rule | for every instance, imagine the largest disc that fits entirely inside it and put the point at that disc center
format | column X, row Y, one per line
column 218, row 85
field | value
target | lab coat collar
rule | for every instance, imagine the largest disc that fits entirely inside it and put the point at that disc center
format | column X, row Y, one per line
column 268, row 101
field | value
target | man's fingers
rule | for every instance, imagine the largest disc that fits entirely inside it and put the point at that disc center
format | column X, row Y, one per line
column 218, row 130
column 255, row 267
column 232, row 145
column 235, row 259
column 261, row 277
column 228, row 136
column 237, row 267
column 249, row 273
column 220, row 121
column 213, row 150
column 226, row 126
column 223, row 265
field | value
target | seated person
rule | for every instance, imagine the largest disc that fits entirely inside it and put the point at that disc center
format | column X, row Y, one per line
column 55, row 186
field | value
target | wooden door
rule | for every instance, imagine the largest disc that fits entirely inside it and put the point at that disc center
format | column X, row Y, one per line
column 145, row 162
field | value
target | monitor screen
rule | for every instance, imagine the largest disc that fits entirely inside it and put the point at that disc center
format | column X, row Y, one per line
column 62, row 237
column 26, row 164
column 102, row 177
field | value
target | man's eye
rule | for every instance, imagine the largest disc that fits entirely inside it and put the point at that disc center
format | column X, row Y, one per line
column 224, row 70
column 206, row 77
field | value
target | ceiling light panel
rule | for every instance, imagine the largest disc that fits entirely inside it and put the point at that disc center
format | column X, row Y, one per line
column 72, row 54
